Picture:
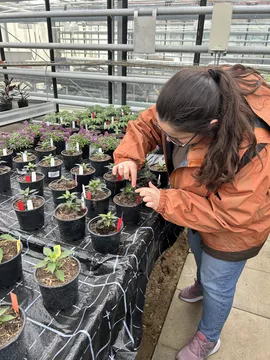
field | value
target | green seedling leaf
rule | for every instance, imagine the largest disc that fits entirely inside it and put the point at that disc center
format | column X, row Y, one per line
column 60, row 275
column 51, row 267
column 3, row 310
column 41, row 264
column 1, row 255
column 6, row 318
column 47, row 251
column 7, row 237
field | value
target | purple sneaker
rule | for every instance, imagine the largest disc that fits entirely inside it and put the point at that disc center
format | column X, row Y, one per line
column 199, row 348
column 192, row 293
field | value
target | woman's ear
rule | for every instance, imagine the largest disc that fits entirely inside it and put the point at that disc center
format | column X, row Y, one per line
column 212, row 123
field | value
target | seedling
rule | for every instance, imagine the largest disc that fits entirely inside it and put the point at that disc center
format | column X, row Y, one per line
column 71, row 201
column 46, row 144
column 24, row 153
column 5, row 317
column 47, row 159
column 129, row 193
column 30, row 167
column 100, row 155
column 106, row 221
column 110, row 166
column 52, row 262
column 84, row 166
column 161, row 166
column 147, row 175
column 27, row 193
column 71, row 150
column 95, row 186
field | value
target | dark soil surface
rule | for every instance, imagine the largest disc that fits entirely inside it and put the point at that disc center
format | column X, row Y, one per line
column 67, row 153
column 122, row 199
column 44, row 163
column 160, row 290
column 11, row 328
column 9, row 249
column 9, row 152
column 99, row 195
column 37, row 202
column 145, row 182
column 155, row 167
column 69, row 267
column 104, row 231
column 88, row 171
column 22, row 178
column 40, row 149
column 20, row 159
column 62, row 184
column 4, row 169
column 105, row 157
column 110, row 177
column 64, row 213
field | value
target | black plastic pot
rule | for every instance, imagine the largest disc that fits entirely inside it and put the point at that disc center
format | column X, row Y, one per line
column 100, row 166
column 5, row 181
column 42, row 153
column 7, row 159
column 36, row 140
column 85, row 152
column 19, row 165
column 164, row 177
column 22, row 103
column 109, row 152
column 51, row 172
column 71, row 230
column 114, row 186
column 16, row 348
column 11, row 271
column 5, row 106
column 60, row 146
column 105, row 244
column 30, row 220
column 71, row 160
column 60, row 297
column 57, row 193
column 131, row 214
column 96, row 207
column 82, row 179
column 36, row 185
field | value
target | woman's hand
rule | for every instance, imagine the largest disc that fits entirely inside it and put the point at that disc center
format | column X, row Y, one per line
column 150, row 195
column 128, row 170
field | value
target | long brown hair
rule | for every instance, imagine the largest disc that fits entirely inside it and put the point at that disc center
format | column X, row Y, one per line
column 194, row 97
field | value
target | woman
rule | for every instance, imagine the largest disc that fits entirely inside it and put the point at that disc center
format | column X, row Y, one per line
column 214, row 127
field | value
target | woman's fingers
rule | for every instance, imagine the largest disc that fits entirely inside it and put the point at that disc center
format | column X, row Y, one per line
column 127, row 170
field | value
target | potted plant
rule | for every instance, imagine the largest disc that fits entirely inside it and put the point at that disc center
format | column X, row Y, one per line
column 82, row 173
column 113, row 183
column 6, row 157
column 29, row 209
column 59, row 137
column 97, row 198
column 99, row 161
column 57, row 276
column 82, row 140
column 12, row 324
column 51, row 118
column 5, row 172
column 44, row 149
column 5, row 95
column 108, row 143
column 34, row 130
column 68, row 120
column 145, row 176
column 60, row 186
column 70, row 217
column 51, row 167
column 23, row 101
column 22, row 159
column 71, row 157
column 128, row 205
column 21, row 140
column 159, row 169
column 10, row 260
column 123, row 122
column 105, row 231
column 32, row 179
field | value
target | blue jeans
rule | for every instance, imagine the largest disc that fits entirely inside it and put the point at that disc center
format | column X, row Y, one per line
column 218, row 279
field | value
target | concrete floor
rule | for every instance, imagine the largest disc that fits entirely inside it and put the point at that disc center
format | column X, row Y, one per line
column 246, row 334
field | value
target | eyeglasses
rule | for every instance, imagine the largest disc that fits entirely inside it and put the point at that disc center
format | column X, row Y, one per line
column 174, row 140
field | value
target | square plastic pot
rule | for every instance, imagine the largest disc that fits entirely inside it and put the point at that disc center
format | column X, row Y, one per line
column 30, row 220
column 51, row 172
column 131, row 214
column 96, row 207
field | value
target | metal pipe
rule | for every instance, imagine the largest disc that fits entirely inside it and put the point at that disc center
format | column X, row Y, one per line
column 110, row 52
column 2, row 53
column 166, row 10
column 199, row 35
column 124, row 53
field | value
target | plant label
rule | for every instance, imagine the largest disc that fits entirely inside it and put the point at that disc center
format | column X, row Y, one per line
column 105, row 125
column 138, row 201
column 61, row 120
column 76, row 179
column 29, row 205
column 88, row 195
column 18, row 246
column 119, row 224
column 66, row 146
column 20, row 205
column 73, row 124
column 119, row 177
column 112, row 120
column 53, row 174
column 83, row 190
column 14, row 302
column 80, row 170
column 100, row 150
column 83, row 202
column 24, row 157
column 47, row 123
column 28, row 178
column 86, row 127
column 52, row 162
column 4, row 152
column 51, row 141
column 77, row 146
column 158, row 181
column 93, row 115
column 34, row 176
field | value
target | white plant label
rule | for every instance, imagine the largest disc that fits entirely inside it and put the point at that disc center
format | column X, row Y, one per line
column 52, row 162
column 4, row 152
column 83, row 190
column 83, row 202
column 24, row 157
column 86, row 127
column 66, row 146
column 29, row 205
column 51, row 141
column 47, row 123
column 112, row 120
column 158, row 179
column 34, row 176
column 100, row 150
column 80, row 170
column 73, row 124
column 77, row 146
column 53, row 174
column 61, row 120
column 76, row 179
column 105, row 125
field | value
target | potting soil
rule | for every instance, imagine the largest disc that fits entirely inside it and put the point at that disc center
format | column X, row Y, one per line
column 106, row 321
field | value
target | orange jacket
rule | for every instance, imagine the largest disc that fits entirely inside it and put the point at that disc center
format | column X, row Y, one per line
column 233, row 225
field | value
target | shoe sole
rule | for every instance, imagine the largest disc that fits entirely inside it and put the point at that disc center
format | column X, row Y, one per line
column 191, row 300
column 216, row 348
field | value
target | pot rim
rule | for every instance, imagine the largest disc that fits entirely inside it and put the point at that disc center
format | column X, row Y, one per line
column 8, row 171
column 18, row 254
column 109, row 194
column 15, row 338
column 63, row 220
column 43, row 166
column 103, row 236
column 21, row 162
column 158, row 171
column 21, row 211
column 91, row 167
column 10, row 152
column 100, row 161
column 59, row 286
column 112, row 180
column 39, row 150
column 123, row 205
column 32, row 182
column 80, row 153
column 59, row 189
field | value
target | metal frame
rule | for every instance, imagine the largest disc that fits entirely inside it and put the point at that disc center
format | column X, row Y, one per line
column 124, row 53
column 199, row 35
column 110, row 52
